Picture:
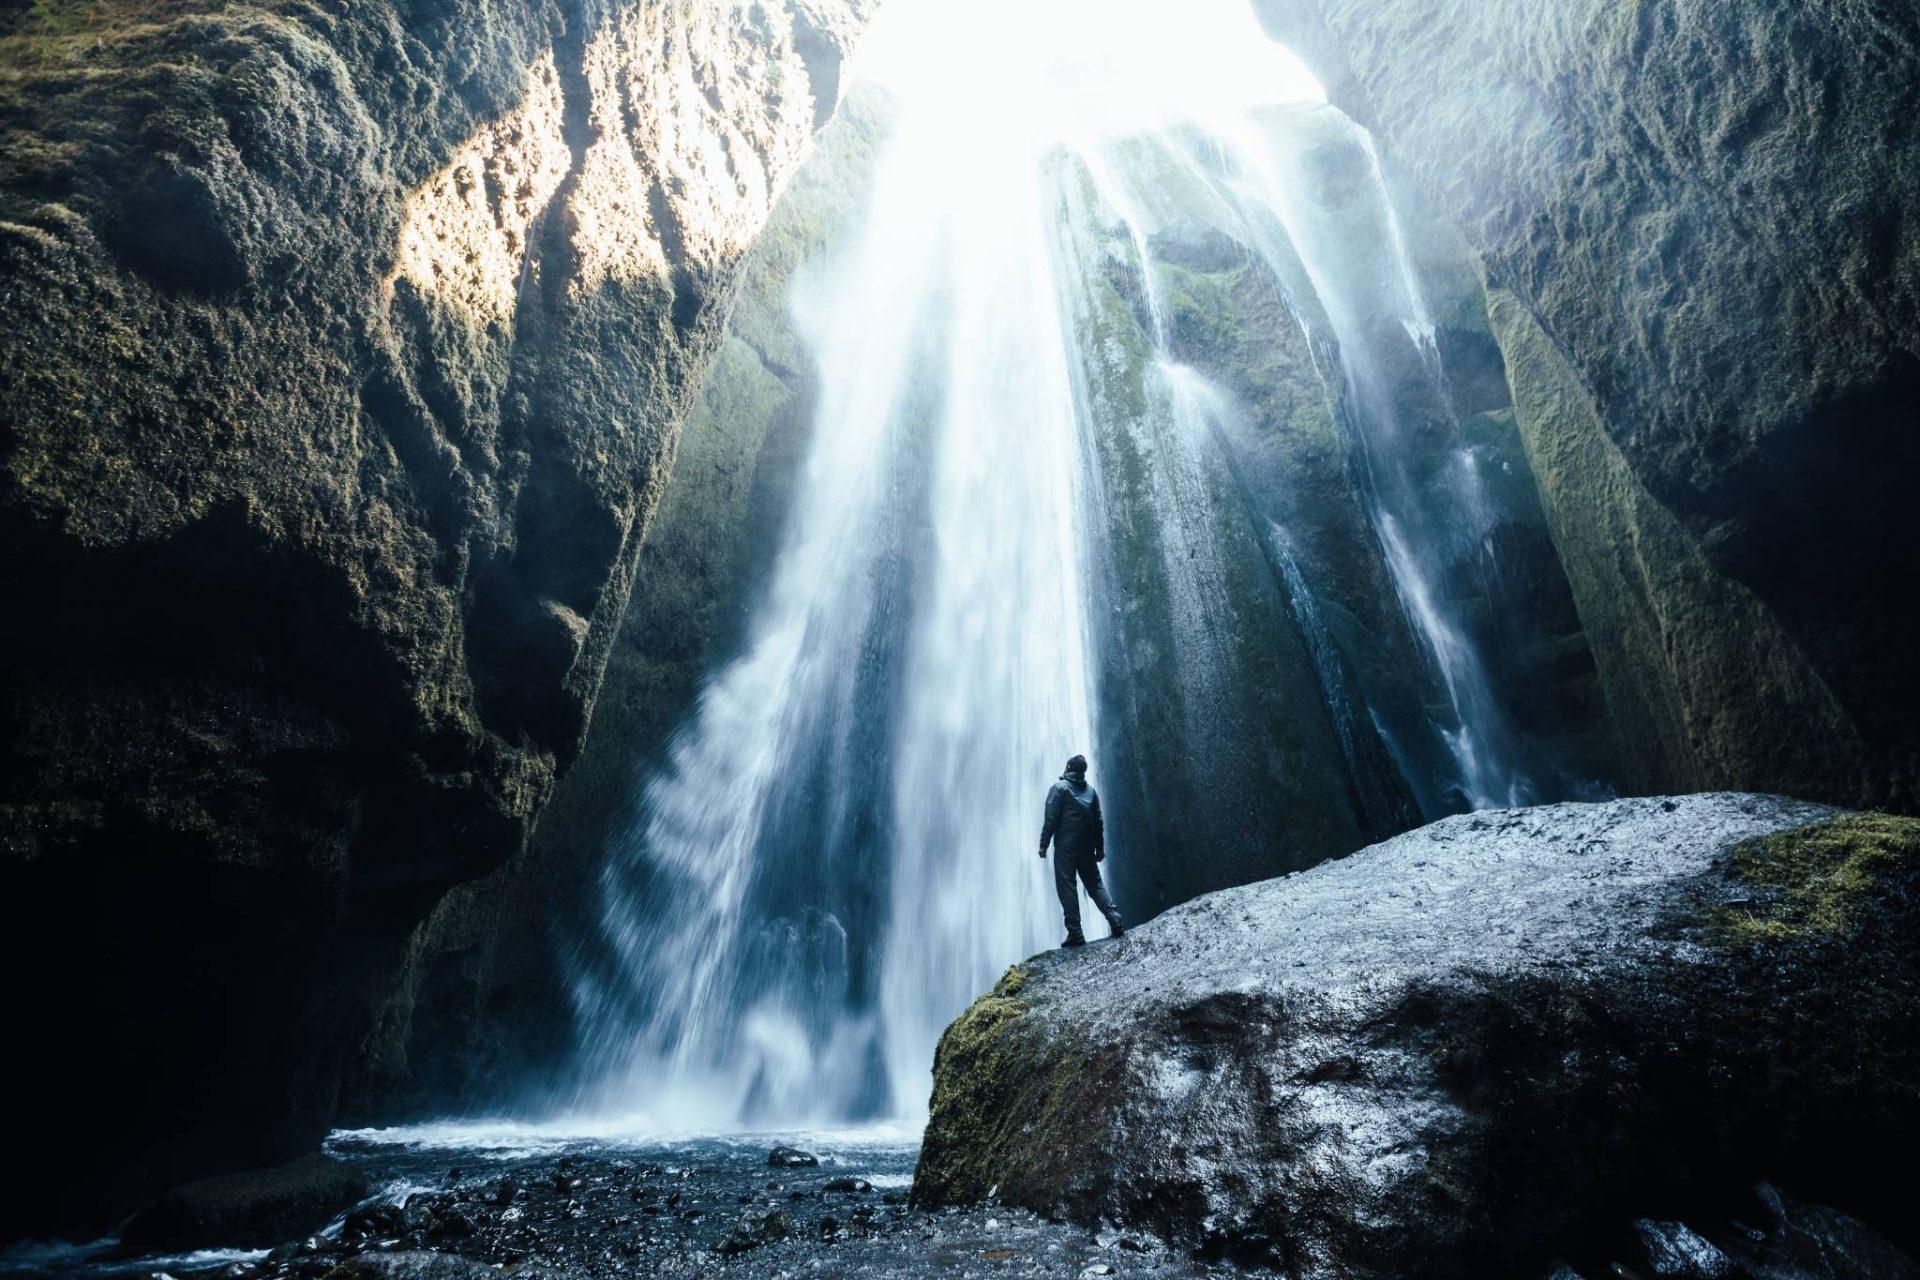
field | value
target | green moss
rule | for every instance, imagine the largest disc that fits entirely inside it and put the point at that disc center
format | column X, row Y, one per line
column 1004, row 1089
column 1816, row 879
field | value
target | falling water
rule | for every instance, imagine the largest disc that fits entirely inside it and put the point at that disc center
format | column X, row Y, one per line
column 1362, row 279
column 836, row 854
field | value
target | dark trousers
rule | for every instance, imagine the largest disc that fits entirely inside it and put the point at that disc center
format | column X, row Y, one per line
column 1065, row 868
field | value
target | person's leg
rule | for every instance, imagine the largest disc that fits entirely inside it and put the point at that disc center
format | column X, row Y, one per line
column 1097, row 890
column 1069, row 892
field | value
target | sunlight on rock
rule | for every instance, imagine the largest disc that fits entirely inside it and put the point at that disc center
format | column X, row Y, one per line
column 464, row 241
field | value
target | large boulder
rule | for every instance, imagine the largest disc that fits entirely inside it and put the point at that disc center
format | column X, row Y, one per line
column 1458, row 1051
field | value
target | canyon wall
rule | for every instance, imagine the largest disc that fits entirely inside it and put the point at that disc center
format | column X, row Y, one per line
column 478, row 1016
column 343, row 349
column 1696, row 224
column 1265, row 700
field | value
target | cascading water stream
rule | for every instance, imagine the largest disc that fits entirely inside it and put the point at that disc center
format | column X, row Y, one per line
column 832, row 863
column 836, row 855
column 1421, row 525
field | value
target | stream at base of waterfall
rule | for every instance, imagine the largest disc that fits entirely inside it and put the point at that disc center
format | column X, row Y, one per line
column 467, row 1201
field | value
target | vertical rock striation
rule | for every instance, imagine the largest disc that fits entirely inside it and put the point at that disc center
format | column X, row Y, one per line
column 343, row 349
column 1698, row 218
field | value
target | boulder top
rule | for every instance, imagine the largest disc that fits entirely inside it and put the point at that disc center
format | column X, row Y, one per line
column 1479, row 1044
column 1553, row 884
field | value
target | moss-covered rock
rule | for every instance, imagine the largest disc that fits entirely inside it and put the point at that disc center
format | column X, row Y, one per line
column 479, row 1007
column 1821, row 880
column 1701, row 682
column 1207, row 688
column 993, row 1056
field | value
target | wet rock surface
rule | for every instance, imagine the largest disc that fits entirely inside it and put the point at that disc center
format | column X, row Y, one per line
column 1475, row 1045
column 709, row 1208
column 481, row 1001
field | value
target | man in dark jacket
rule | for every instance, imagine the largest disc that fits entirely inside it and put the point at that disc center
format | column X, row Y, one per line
column 1079, row 839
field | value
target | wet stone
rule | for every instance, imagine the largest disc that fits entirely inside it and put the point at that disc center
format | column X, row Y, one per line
column 791, row 1158
column 605, row 1235
column 1675, row 1251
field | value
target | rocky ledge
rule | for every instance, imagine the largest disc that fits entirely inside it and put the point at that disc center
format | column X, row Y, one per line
column 1472, row 1049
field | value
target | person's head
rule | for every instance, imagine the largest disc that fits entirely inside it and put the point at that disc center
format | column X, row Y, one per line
column 1077, row 767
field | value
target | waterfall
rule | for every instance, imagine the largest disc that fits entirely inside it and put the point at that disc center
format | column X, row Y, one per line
column 837, row 852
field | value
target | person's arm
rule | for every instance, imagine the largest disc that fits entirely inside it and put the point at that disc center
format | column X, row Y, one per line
column 1099, row 830
column 1051, row 826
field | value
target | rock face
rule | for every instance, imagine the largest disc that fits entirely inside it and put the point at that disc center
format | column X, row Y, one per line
column 1465, row 1049
column 343, row 349
column 1262, row 691
column 479, row 1007
column 1205, row 685
column 1695, row 220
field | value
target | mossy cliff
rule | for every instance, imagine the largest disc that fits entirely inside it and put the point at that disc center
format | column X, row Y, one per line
column 1701, row 680
column 1699, row 216
column 343, row 349
column 1251, row 639
column 1206, row 686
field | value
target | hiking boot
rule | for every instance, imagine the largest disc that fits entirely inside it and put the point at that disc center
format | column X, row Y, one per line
column 1074, row 940
column 1119, row 931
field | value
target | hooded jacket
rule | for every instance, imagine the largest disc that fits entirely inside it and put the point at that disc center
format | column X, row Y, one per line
column 1073, row 825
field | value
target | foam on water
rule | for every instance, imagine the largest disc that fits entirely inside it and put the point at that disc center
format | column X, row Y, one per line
column 95, row 1258
column 511, row 1140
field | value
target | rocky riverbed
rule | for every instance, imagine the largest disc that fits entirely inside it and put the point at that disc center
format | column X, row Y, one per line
column 1651, row 1039
column 449, row 1203
column 464, row 1204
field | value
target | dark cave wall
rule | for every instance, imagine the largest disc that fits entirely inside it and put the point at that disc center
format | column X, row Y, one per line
column 1697, row 218
column 1216, row 758
column 342, row 349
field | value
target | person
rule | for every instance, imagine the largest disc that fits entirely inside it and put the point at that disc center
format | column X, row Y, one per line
column 1074, row 828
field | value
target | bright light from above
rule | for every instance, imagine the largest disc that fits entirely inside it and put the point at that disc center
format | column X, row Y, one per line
column 1081, row 70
